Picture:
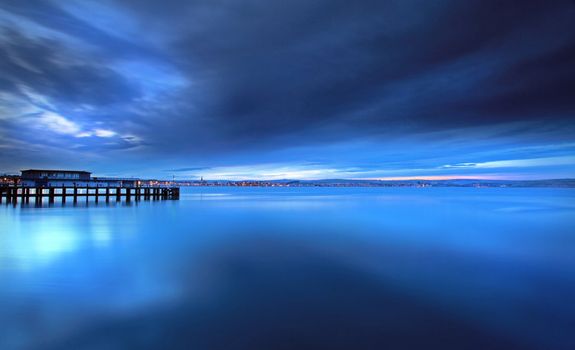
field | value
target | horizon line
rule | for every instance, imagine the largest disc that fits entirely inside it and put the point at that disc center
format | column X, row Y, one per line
column 405, row 178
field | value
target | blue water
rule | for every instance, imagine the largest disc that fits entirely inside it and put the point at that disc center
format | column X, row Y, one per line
column 295, row 268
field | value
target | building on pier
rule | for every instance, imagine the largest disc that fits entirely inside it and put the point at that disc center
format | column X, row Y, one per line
column 115, row 182
column 72, row 178
column 38, row 184
column 53, row 178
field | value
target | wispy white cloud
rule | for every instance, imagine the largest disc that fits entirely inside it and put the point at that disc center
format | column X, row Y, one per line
column 62, row 125
column 104, row 133
column 263, row 172
column 59, row 124
column 516, row 163
column 97, row 132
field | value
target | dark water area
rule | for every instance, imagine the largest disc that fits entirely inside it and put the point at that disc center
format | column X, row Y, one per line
column 293, row 268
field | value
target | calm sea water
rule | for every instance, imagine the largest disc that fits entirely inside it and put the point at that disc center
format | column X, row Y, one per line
column 296, row 268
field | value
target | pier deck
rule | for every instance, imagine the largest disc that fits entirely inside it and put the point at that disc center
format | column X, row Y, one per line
column 15, row 194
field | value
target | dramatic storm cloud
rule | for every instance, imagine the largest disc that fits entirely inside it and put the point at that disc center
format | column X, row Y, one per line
column 285, row 89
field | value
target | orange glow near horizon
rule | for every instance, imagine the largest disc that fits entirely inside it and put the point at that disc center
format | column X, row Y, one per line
column 445, row 177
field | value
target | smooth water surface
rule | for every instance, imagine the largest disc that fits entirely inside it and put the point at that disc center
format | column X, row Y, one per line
column 293, row 268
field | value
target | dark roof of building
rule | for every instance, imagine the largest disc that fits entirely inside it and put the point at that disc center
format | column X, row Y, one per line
column 56, row 171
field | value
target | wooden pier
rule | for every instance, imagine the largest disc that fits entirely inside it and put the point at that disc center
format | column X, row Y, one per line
column 22, row 194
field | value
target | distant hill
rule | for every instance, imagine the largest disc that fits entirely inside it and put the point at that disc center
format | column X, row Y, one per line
column 563, row 183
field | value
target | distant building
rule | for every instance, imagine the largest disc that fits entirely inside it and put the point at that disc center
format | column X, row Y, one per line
column 9, row 180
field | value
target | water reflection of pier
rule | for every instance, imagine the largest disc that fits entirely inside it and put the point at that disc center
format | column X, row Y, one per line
column 24, row 194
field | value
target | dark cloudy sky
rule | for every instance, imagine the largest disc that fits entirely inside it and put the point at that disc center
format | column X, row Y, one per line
column 289, row 89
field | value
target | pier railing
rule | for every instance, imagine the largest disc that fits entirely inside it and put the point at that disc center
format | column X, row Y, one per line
column 14, row 194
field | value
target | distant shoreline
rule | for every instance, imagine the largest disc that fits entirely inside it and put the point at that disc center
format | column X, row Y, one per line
column 556, row 183
column 10, row 180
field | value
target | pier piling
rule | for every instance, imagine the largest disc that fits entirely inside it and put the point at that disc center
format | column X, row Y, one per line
column 12, row 194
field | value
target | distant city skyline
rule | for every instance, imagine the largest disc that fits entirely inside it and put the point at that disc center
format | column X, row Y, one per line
column 265, row 90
